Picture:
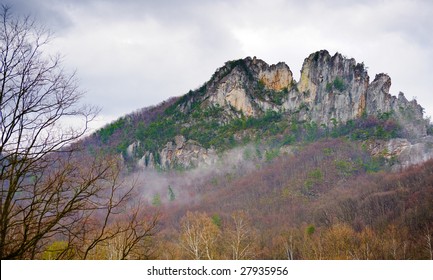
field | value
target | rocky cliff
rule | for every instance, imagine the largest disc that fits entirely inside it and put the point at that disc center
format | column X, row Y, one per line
column 330, row 88
column 333, row 87
column 245, row 87
column 332, row 91
column 184, row 153
column 401, row 153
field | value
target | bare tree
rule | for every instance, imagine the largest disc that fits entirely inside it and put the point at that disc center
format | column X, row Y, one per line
column 199, row 235
column 128, row 237
column 49, row 190
column 428, row 241
column 241, row 237
column 289, row 247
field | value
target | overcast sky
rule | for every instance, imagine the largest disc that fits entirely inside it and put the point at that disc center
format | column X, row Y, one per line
column 132, row 54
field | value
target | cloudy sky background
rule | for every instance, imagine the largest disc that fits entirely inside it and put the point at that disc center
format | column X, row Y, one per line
column 132, row 54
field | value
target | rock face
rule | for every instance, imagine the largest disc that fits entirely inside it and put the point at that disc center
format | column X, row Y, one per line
column 409, row 113
column 179, row 153
column 331, row 90
column 333, row 87
column 403, row 153
column 184, row 153
column 338, row 88
column 234, row 87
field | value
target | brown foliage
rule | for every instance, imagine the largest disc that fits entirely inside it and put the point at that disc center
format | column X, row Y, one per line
column 355, row 213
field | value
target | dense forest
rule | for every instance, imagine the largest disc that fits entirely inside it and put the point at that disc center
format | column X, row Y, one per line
column 323, row 202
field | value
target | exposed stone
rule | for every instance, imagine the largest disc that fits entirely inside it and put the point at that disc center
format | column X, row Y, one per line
column 402, row 153
column 416, row 153
column 233, row 86
column 179, row 140
column 131, row 150
column 276, row 77
column 186, row 154
column 379, row 99
column 146, row 161
column 388, row 149
column 338, row 88
column 332, row 89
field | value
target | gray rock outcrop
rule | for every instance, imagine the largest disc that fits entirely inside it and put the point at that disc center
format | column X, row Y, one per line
column 401, row 152
column 338, row 88
column 332, row 90
column 184, row 153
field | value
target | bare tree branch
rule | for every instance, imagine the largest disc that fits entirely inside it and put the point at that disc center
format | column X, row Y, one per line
column 50, row 191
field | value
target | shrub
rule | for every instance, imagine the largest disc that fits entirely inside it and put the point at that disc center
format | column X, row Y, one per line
column 339, row 84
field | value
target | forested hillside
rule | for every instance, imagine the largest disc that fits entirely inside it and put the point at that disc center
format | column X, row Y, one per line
column 328, row 200
column 254, row 165
column 251, row 165
column 248, row 101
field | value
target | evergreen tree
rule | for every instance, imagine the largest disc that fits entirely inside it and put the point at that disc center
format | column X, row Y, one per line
column 171, row 194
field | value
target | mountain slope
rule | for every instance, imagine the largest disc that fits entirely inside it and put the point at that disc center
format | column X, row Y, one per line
column 248, row 100
column 304, row 165
column 326, row 201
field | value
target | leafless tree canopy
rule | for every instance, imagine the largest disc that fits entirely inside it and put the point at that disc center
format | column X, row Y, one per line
column 49, row 192
column 36, row 93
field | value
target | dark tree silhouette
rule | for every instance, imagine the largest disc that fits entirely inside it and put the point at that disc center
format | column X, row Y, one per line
column 48, row 190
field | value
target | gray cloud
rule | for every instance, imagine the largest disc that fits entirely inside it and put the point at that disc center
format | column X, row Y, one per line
column 48, row 13
column 131, row 54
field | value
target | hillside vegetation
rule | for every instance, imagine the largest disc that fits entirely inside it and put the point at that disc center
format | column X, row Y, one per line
column 328, row 200
column 248, row 101
column 254, row 165
column 251, row 165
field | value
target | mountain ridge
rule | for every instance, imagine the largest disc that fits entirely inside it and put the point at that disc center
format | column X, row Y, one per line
column 248, row 99
column 340, row 87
